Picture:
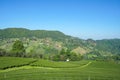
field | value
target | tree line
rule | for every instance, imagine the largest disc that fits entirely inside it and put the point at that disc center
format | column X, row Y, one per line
column 18, row 50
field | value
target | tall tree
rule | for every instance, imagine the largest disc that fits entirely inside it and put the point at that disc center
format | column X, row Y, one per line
column 18, row 49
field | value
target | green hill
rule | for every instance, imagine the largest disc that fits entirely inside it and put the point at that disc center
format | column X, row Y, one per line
column 21, row 32
column 109, row 45
column 44, row 43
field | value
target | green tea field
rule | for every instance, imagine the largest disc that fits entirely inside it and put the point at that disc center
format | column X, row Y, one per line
column 13, row 68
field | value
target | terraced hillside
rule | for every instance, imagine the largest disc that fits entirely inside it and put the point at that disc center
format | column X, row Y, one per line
column 77, row 70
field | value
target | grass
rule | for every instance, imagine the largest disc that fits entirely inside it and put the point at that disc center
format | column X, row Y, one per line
column 53, row 64
column 47, row 70
column 9, row 62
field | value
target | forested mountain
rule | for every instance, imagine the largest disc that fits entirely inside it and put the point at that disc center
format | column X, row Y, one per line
column 50, row 43
column 109, row 45
column 21, row 32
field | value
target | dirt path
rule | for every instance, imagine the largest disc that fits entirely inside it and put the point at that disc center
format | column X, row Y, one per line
column 85, row 65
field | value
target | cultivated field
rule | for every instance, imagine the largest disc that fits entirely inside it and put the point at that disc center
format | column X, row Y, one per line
column 31, row 69
column 9, row 62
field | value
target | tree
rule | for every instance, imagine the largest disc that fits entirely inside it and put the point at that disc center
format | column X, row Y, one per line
column 62, row 51
column 75, row 57
column 2, row 52
column 67, row 54
column 18, row 49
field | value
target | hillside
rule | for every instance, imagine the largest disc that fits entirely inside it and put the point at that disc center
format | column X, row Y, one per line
column 109, row 45
column 21, row 32
column 40, row 43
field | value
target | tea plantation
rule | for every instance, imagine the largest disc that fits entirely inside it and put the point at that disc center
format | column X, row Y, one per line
column 32, row 69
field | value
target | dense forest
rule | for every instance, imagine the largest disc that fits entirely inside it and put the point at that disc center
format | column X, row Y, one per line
column 55, row 45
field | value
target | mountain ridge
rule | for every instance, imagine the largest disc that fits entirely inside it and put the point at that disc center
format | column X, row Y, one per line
column 46, row 41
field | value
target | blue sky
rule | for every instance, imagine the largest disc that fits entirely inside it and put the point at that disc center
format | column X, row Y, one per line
column 96, row 19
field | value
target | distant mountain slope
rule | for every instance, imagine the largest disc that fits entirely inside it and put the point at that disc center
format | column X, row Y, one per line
column 68, row 41
column 53, row 41
column 21, row 32
column 109, row 45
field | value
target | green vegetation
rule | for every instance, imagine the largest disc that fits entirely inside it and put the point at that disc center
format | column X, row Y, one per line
column 2, row 52
column 109, row 45
column 46, row 70
column 49, row 44
column 44, row 56
column 9, row 62
column 67, row 54
column 18, row 49
column 53, row 64
column 21, row 32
